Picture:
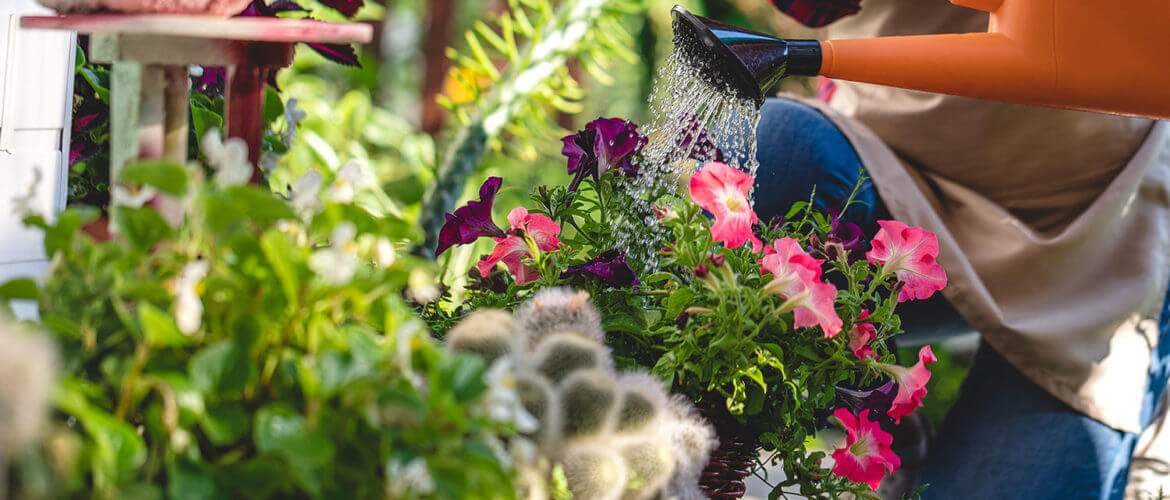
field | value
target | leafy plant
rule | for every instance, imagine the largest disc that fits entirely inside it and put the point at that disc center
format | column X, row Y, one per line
column 241, row 344
column 777, row 331
column 532, row 43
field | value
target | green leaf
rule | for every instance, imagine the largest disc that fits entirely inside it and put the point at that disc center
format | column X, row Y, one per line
column 143, row 227
column 622, row 323
column 280, row 253
column 226, row 424
column 283, row 432
column 19, row 289
column 69, row 223
column 678, row 301
column 189, row 481
column 221, row 368
column 159, row 327
column 203, row 119
column 165, row 176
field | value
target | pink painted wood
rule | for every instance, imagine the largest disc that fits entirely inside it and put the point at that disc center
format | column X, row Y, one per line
column 251, row 47
column 252, row 29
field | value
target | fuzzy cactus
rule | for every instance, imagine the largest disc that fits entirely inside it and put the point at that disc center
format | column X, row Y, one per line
column 614, row 435
column 641, row 404
column 561, row 354
column 651, row 465
column 560, row 310
column 588, row 403
column 27, row 372
column 488, row 333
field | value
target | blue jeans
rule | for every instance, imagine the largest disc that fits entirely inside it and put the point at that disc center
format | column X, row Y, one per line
column 1005, row 438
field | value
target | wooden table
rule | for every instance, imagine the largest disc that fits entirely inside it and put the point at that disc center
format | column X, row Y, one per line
column 150, row 55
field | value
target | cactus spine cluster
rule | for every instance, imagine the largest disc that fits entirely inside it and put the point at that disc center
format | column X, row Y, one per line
column 614, row 435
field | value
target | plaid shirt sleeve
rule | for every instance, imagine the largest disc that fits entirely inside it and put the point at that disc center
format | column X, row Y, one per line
column 817, row 13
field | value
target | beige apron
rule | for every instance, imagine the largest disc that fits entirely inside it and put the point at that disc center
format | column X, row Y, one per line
column 1053, row 225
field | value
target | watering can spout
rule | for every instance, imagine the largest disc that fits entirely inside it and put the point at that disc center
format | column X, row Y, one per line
column 1078, row 54
column 744, row 62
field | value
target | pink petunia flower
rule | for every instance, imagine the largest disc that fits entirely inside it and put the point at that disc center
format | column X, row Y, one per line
column 861, row 335
column 866, row 457
column 723, row 191
column 529, row 233
column 909, row 253
column 911, row 383
column 797, row 279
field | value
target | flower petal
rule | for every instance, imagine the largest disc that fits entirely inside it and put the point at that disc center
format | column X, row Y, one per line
column 473, row 220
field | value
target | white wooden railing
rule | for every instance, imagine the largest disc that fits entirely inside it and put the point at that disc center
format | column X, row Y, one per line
column 36, row 86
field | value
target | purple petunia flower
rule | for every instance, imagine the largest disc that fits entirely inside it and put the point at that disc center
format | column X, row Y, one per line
column 877, row 400
column 336, row 52
column 604, row 144
column 473, row 220
column 698, row 143
column 846, row 234
column 610, row 267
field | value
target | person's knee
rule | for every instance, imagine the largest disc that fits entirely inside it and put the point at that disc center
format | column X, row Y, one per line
column 800, row 150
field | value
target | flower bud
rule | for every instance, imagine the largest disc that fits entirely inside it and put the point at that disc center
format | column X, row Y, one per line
column 701, row 271
column 717, row 259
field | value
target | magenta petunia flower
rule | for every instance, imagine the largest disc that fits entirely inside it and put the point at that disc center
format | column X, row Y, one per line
column 796, row 277
column 862, row 333
column 604, row 144
column 908, row 253
column 866, row 457
column 911, row 383
column 528, row 233
column 473, row 220
column 610, row 267
column 723, row 191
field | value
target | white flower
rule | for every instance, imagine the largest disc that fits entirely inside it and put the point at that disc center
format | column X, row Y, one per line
column 413, row 478
column 125, row 197
column 503, row 402
column 28, row 365
column 350, row 179
column 384, row 253
column 228, row 158
column 337, row 263
column 293, row 116
column 306, row 193
column 188, row 306
column 420, row 286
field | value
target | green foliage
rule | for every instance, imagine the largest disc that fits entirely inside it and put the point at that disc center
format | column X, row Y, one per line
column 532, row 41
column 218, row 357
column 719, row 337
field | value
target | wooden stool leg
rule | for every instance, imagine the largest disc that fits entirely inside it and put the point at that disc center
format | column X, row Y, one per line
column 152, row 113
column 125, row 83
column 245, row 110
column 176, row 128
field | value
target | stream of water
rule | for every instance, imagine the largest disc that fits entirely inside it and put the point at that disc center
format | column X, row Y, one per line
column 692, row 122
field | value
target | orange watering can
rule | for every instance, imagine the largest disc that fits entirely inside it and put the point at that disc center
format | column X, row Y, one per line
column 1110, row 56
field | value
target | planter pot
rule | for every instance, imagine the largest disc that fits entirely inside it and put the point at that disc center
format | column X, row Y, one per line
column 98, row 229
column 215, row 8
column 731, row 463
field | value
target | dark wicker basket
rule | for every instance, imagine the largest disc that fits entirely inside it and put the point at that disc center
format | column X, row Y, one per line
column 732, row 462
